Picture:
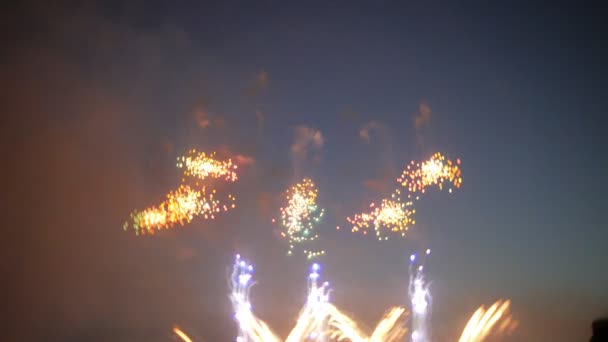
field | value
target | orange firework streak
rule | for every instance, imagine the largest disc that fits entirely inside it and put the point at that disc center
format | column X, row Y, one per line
column 482, row 322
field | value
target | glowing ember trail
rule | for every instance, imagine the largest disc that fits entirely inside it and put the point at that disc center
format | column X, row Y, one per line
column 482, row 322
column 435, row 171
column 300, row 215
column 182, row 335
column 420, row 300
column 391, row 216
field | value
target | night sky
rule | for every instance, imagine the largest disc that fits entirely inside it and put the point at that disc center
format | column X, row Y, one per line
column 98, row 100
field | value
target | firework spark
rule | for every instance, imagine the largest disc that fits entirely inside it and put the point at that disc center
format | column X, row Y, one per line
column 343, row 328
column 312, row 323
column 392, row 215
column 417, row 177
column 251, row 329
column 420, row 299
column 191, row 199
column 388, row 329
column 319, row 320
column 482, row 322
column 200, row 165
column 180, row 207
column 300, row 215
column 182, row 335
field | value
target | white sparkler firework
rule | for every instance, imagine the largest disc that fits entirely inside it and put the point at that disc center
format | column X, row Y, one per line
column 313, row 319
column 241, row 283
column 251, row 329
column 318, row 296
column 420, row 299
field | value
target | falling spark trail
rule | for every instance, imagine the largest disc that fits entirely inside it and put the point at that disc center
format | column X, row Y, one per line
column 482, row 322
column 181, row 334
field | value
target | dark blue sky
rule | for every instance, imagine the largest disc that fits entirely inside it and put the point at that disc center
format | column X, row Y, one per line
column 99, row 100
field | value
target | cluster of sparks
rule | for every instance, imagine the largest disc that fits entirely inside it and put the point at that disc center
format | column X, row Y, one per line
column 392, row 215
column 300, row 215
column 417, row 177
column 180, row 207
column 200, row 165
column 483, row 322
column 395, row 215
column 191, row 199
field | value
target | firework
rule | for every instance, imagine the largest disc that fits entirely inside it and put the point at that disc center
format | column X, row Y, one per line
column 312, row 321
column 251, row 329
column 420, row 299
column 392, row 215
column 482, row 322
column 180, row 207
column 300, row 215
column 417, row 177
column 343, row 328
column 319, row 320
column 182, row 335
column 191, row 199
column 200, row 165
column 387, row 329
